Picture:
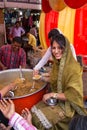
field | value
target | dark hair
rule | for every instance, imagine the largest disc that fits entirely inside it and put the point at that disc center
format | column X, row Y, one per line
column 78, row 123
column 18, row 40
column 60, row 39
column 27, row 30
column 53, row 33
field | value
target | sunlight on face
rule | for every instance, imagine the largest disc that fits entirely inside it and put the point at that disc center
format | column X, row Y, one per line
column 56, row 50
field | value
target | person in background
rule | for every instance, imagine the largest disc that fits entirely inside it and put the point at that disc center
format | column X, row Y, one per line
column 66, row 87
column 33, row 31
column 31, row 39
column 15, row 120
column 12, row 55
column 48, row 54
column 16, row 30
column 78, row 123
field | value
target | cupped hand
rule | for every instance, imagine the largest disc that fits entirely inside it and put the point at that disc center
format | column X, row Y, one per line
column 47, row 96
column 7, row 107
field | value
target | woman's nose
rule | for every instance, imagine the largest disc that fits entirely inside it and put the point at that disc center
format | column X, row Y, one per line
column 57, row 50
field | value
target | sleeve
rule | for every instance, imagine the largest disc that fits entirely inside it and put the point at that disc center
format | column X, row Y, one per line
column 44, row 59
column 19, row 123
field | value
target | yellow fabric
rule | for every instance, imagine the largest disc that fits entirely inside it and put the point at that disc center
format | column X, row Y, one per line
column 42, row 30
column 32, row 40
column 66, row 22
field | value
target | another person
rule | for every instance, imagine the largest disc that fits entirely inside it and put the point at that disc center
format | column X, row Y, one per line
column 17, row 30
column 66, row 86
column 33, row 31
column 31, row 39
column 78, row 123
column 12, row 55
column 48, row 54
column 15, row 120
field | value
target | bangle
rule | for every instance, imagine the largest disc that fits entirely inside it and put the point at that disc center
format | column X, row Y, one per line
column 55, row 95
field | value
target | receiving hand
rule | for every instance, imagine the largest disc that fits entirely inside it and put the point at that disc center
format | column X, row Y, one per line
column 7, row 107
column 27, row 115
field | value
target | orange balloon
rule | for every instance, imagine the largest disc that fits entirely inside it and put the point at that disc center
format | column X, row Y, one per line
column 57, row 5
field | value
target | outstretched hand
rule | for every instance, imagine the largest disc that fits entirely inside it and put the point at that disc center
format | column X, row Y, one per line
column 7, row 107
column 27, row 115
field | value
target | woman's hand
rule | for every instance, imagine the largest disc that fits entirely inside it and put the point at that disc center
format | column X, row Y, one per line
column 35, row 72
column 60, row 96
column 47, row 96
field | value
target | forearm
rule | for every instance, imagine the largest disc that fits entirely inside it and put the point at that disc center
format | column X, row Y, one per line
column 44, row 59
column 1, row 65
column 60, row 96
column 19, row 123
column 4, row 91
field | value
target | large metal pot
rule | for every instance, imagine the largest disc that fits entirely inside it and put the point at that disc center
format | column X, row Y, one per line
column 29, row 100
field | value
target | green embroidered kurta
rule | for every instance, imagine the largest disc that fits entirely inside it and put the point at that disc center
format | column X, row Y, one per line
column 66, row 77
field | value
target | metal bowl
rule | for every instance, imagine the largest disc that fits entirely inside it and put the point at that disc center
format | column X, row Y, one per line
column 28, row 100
column 52, row 101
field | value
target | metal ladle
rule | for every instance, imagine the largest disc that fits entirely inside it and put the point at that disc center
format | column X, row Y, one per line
column 21, row 74
column 33, row 86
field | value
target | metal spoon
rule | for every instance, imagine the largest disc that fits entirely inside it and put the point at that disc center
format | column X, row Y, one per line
column 33, row 86
column 21, row 74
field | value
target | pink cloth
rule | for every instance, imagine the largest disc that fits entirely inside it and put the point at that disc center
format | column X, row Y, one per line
column 19, row 123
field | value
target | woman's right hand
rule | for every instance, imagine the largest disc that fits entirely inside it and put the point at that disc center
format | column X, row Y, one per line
column 35, row 72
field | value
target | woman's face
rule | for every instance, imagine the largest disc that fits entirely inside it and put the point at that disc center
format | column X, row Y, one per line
column 56, row 50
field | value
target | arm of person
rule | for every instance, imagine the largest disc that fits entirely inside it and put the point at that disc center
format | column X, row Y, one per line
column 23, row 59
column 6, row 89
column 60, row 96
column 15, row 120
column 19, row 123
column 44, row 59
column 22, row 31
column 2, row 66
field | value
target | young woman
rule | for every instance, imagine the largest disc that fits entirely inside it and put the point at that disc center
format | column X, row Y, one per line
column 48, row 53
column 66, row 86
